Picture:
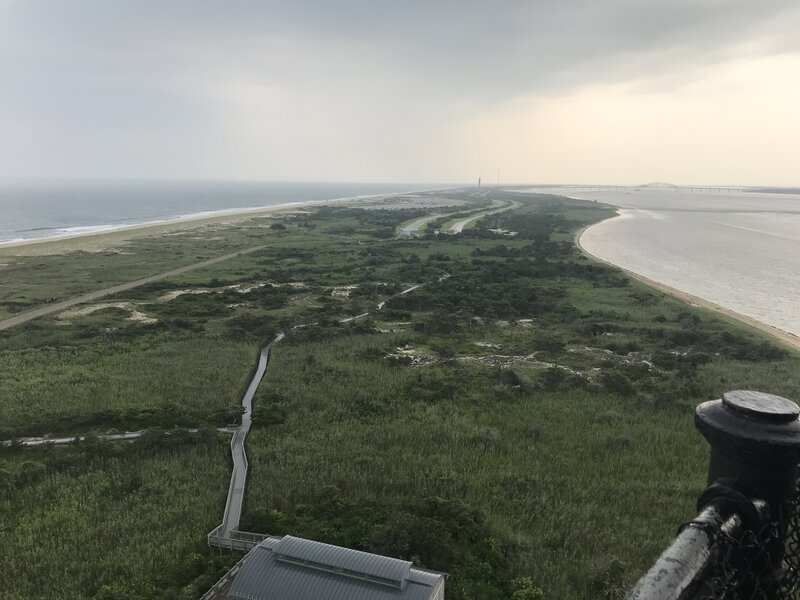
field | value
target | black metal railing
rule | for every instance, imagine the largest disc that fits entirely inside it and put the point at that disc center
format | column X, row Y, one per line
column 744, row 543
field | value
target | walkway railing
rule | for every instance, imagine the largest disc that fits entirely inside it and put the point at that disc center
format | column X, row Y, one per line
column 242, row 541
column 745, row 541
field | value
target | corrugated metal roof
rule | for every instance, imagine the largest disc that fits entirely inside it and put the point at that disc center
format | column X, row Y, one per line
column 306, row 570
column 317, row 554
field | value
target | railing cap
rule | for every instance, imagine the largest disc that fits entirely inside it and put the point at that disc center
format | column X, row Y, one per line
column 752, row 425
column 760, row 405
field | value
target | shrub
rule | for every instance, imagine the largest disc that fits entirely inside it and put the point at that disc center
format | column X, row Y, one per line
column 588, row 328
column 552, row 378
column 522, row 588
column 508, row 377
column 665, row 360
column 616, row 383
column 443, row 351
column 271, row 522
column 549, row 342
column 622, row 347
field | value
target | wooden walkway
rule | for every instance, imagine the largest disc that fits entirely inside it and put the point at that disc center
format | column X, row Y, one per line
column 227, row 535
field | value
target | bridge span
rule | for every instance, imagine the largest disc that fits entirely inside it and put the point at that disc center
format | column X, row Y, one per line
column 653, row 185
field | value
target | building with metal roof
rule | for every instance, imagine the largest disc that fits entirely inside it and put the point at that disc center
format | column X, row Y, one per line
column 292, row 568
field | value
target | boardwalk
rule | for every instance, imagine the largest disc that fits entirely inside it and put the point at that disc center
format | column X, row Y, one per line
column 227, row 535
column 233, row 505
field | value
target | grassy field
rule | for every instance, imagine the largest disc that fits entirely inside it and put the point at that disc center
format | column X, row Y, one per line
column 527, row 416
column 112, row 521
column 32, row 280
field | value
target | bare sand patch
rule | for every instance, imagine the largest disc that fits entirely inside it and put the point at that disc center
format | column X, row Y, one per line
column 505, row 232
column 603, row 354
column 244, row 288
column 413, row 357
column 486, row 345
column 172, row 294
column 135, row 314
column 343, row 291
column 241, row 288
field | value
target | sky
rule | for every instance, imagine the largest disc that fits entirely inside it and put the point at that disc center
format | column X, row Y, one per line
column 563, row 91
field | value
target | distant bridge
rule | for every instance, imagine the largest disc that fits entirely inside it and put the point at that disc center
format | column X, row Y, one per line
column 658, row 185
column 663, row 185
column 653, row 185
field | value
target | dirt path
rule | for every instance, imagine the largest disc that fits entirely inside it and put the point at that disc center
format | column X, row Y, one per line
column 91, row 296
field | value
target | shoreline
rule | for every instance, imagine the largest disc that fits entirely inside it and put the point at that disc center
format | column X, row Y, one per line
column 97, row 241
column 209, row 215
column 111, row 235
column 787, row 339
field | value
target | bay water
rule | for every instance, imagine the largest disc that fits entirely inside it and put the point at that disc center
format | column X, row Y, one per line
column 737, row 249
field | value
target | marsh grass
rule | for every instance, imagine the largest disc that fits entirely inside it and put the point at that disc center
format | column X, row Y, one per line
column 96, row 521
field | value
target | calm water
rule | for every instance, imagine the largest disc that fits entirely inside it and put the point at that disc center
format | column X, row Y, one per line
column 740, row 250
column 36, row 210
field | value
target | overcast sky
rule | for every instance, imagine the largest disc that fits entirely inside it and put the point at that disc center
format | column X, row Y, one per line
column 606, row 91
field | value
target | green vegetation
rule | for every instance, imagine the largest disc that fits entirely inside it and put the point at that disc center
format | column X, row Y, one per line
column 112, row 521
column 522, row 421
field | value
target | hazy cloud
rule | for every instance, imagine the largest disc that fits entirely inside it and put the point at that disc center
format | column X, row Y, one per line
column 340, row 90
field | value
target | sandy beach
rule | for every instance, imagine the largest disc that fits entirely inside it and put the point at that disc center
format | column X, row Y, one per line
column 786, row 338
column 96, row 241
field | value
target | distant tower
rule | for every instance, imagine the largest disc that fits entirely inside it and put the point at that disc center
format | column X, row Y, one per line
column 479, row 182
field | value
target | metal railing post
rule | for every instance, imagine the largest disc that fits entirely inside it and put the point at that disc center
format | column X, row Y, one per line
column 755, row 446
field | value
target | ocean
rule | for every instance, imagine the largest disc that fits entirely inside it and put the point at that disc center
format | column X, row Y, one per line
column 740, row 250
column 34, row 210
